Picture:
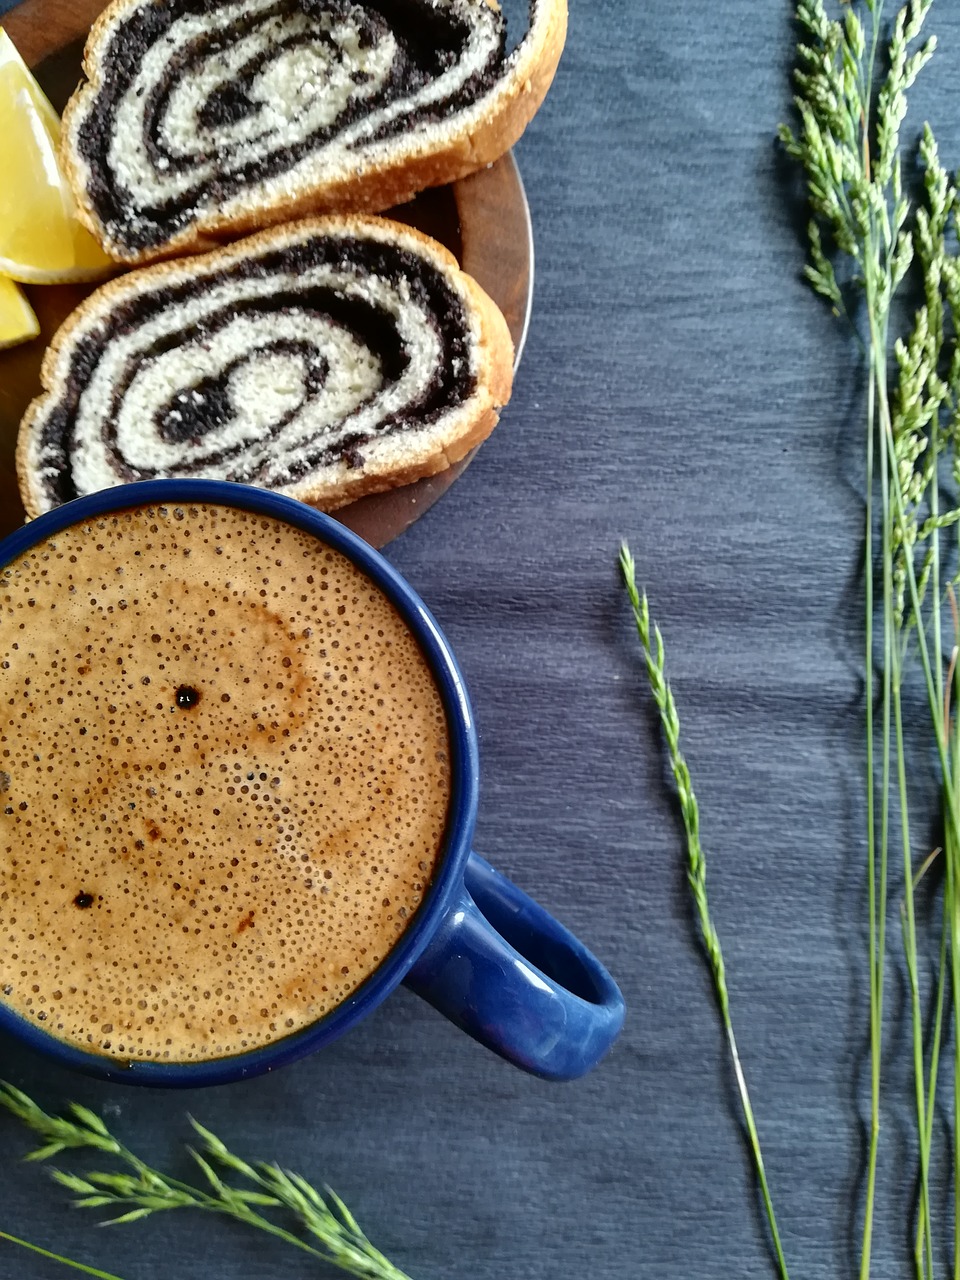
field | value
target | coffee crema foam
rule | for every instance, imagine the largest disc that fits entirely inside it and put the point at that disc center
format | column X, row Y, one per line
column 224, row 781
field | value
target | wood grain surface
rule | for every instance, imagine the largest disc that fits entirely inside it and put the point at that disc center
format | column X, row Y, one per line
column 682, row 388
column 65, row 23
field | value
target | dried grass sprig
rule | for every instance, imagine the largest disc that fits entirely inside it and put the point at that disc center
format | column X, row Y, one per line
column 852, row 78
column 321, row 1216
column 651, row 643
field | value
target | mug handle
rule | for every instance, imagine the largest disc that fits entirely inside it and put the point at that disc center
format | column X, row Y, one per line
column 505, row 971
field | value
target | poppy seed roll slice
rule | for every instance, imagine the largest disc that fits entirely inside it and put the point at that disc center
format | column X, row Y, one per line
column 206, row 119
column 325, row 359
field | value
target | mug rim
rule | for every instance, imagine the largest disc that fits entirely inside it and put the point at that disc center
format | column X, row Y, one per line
column 462, row 805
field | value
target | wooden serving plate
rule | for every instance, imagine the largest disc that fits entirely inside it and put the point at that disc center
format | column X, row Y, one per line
column 483, row 220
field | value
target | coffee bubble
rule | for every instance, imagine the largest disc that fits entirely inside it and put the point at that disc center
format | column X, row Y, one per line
column 224, row 781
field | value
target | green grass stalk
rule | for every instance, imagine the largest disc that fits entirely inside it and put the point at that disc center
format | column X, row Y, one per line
column 925, row 1136
column 875, row 913
column 651, row 643
column 895, row 515
column 892, row 709
column 925, row 1132
column 909, row 937
column 56, row 1257
column 877, row 858
column 142, row 1191
column 952, row 844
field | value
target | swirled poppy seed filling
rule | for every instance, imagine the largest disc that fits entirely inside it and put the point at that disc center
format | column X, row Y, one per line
column 198, row 103
column 261, row 371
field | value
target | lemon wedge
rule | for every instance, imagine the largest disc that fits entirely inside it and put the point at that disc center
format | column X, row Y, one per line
column 17, row 321
column 41, row 239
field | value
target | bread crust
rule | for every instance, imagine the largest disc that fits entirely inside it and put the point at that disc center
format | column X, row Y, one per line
column 426, row 452
column 492, row 127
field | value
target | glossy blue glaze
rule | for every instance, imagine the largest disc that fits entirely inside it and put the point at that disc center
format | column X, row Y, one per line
column 540, row 999
column 504, row 970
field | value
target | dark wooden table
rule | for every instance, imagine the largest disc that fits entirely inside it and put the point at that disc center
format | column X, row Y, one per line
column 683, row 389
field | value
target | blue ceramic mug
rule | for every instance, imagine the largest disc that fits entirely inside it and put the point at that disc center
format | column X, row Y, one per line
column 478, row 949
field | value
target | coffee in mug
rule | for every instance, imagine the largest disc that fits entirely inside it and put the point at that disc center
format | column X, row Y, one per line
column 224, row 781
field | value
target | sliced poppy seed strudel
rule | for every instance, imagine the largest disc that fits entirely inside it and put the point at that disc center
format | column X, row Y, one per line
column 204, row 119
column 326, row 359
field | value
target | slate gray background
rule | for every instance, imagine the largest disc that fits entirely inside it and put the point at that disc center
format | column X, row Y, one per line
column 683, row 389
